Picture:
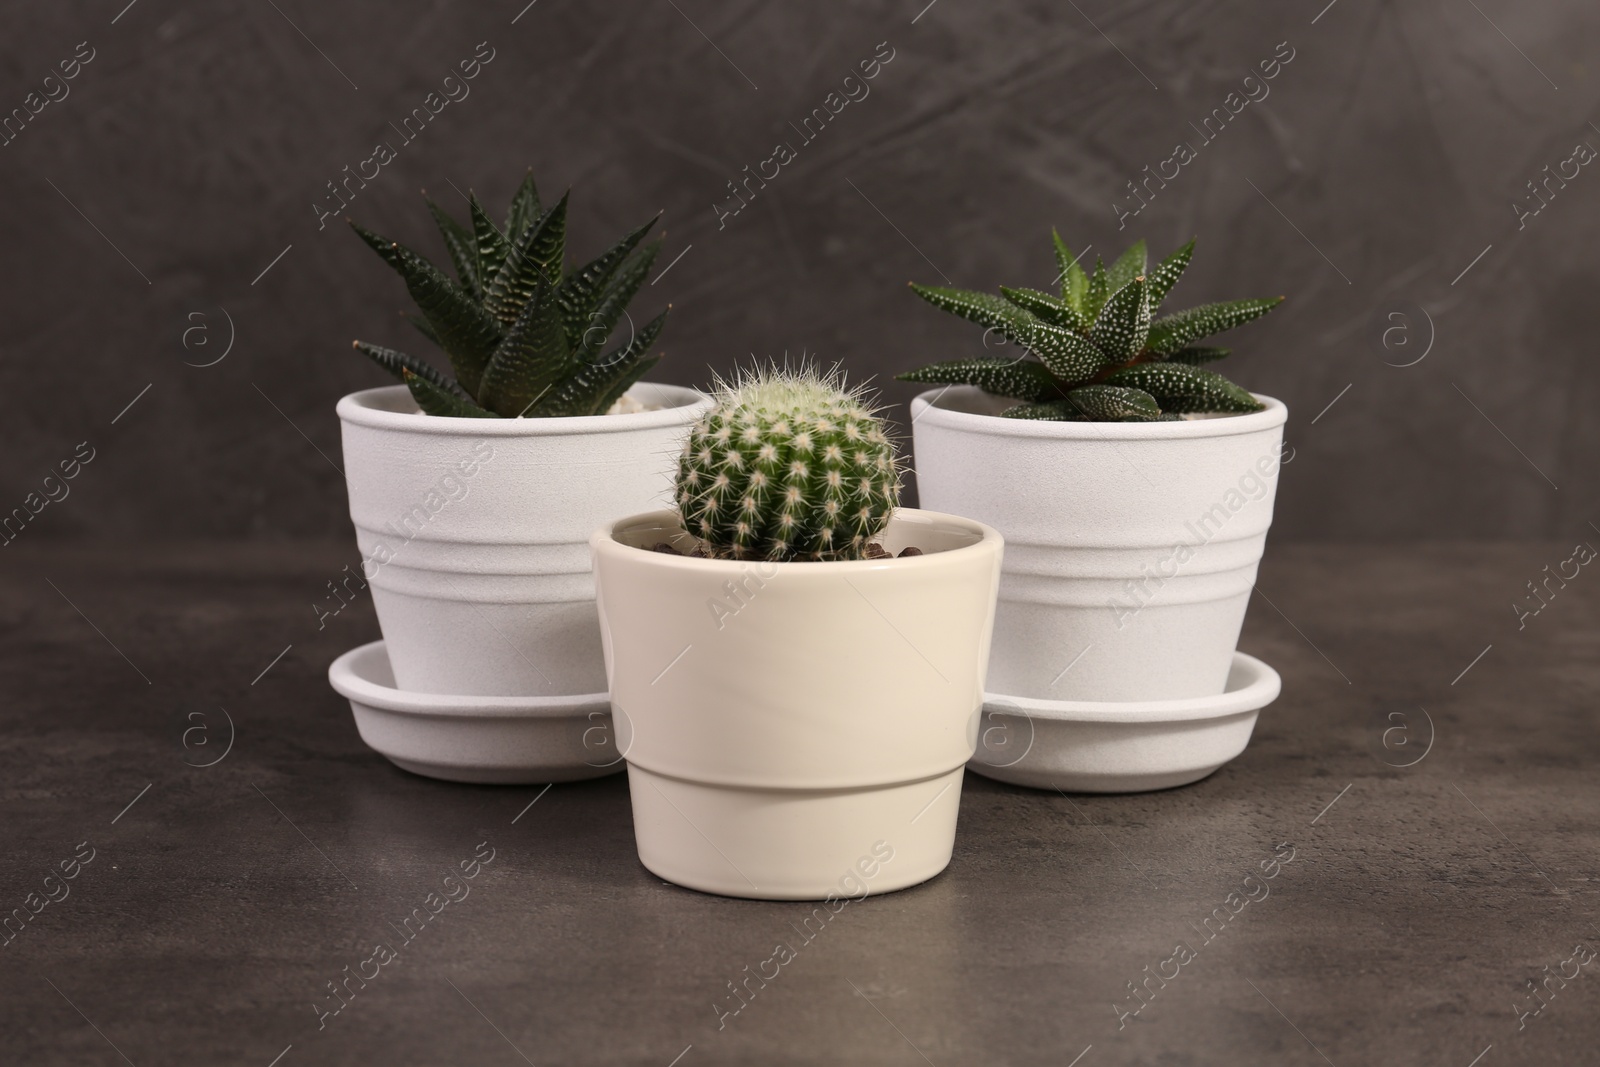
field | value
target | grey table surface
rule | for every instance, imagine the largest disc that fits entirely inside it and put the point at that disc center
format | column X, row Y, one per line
column 220, row 901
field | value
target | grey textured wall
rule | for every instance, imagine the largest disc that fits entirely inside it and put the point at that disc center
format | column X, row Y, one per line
column 1382, row 163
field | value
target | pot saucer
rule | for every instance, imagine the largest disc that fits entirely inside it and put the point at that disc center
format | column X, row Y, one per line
column 511, row 740
column 1085, row 746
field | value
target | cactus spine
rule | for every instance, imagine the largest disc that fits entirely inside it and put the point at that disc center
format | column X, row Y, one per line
column 788, row 465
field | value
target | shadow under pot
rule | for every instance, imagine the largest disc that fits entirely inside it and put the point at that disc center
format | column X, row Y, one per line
column 1131, row 548
column 796, row 730
column 473, row 533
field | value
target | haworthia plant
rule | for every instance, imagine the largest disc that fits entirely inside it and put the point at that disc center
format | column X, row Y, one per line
column 1101, row 352
column 525, row 336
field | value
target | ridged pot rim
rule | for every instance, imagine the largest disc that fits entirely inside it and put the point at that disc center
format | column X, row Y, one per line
column 604, row 541
column 362, row 408
column 934, row 408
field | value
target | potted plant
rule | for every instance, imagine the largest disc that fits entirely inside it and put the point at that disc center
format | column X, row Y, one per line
column 473, row 494
column 1133, row 485
column 796, row 665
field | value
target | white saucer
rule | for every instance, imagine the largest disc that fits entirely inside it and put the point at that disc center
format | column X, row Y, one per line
column 1085, row 746
column 476, row 738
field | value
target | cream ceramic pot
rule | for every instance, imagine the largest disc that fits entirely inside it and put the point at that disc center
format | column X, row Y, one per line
column 473, row 533
column 797, row 729
column 1131, row 548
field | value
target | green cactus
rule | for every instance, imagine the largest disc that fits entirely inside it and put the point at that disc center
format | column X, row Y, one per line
column 789, row 465
column 1103, row 356
column 525, row 336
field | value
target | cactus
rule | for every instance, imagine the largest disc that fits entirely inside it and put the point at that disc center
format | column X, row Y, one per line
column 788, row 465
column 525, row 336
column 1102, row 355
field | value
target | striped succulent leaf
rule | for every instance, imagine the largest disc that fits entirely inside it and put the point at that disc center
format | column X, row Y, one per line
column 435, row 400
column 1180, row 388
column 1074, row 282
column 614, row 298
column 1114, row 403
column 492, row 244
column 466, row 332
column 535, row 256
column 1049, row 308
column 1046, row 411
column 395, row 362
column 524, row 208
column 1018, row 379
column 580, row 291
column 1070, row 357
column 985, row 309
column 1167, row 273
column 1122, row 325
column 532, row 359
column 1196, row 355
column 1099, row 291
column 1172, row 332
column 463, row 249
column 594, row 387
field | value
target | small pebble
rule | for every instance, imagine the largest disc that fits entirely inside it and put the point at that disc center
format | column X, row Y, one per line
column 664, row 547
column 876, row 551
column 913, row 550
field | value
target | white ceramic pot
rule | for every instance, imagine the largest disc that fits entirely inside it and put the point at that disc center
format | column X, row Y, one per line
column 473, row 533
column 1085, row 746
column 794, row 730
column 1131, row 548
column 476, row 738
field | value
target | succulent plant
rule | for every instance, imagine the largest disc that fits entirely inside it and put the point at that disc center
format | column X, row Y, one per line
column 788, row 465
column 1102, row 354
column 525, row 336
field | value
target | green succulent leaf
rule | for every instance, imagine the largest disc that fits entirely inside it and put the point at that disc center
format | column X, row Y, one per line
column 524, row 208
column 531, row 361
column 492, row 244
column 464, row 330
column 1167, row 273
column 1051, row 411
column 434, row 400
column 1069, row 356
column 580, row 291
column 614, row 299
column 1134, row 263
column 1051, row 309
column 1074, row 282
column 1180, row 388
column 1197, row 355
column 399, row 364
column 461, row 245
column 1114, row 403
column 1172, row 332
column 596, row 386
column 985, row 309
column 536, row 256
column 1099, row 290
column 1024, row 380
column 1122, row 325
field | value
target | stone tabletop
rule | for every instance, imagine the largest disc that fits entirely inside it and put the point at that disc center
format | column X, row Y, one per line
column 1411, row 838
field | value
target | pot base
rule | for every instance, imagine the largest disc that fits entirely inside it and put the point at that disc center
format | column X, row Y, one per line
column 500, row 740
column 1084, row 746
column 791, row 844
